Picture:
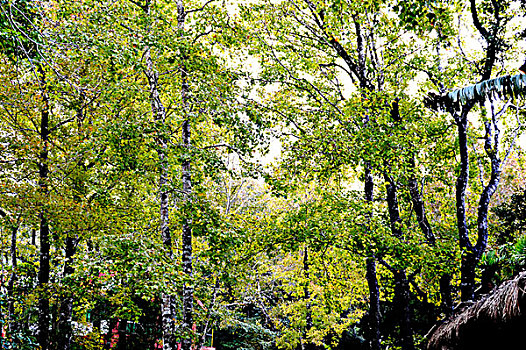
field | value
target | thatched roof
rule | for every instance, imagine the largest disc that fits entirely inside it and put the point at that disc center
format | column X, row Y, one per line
column 497, row 319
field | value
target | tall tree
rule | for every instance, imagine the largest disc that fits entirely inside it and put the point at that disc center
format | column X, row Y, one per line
column 489, row 27
column 20, row 22
column 336, row 85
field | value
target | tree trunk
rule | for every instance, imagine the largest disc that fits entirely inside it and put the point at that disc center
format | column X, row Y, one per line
column 43, row 172
column 159, row 115
column 123, row 339
column 467, row 268
column 402, row 296
column 418, row 205
column 187, row 249
column 373, row 320
column 446, row 294
column 188, row 291
column 401, row 291
column 486, row 279
column 392, row 204
column 372, row 282
column 65, row 331
column 308, row 345
column 469, row 259
column 471, row 254
column 13, row 325
column 467, row 276
column 402, row 305
column 358, row 69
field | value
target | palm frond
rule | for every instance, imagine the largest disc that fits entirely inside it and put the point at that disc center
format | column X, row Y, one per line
column 497, row 88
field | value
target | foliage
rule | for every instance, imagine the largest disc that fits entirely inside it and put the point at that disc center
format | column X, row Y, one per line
column 280, row 250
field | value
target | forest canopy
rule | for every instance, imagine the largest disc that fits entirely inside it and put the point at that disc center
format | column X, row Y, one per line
column 258, row 175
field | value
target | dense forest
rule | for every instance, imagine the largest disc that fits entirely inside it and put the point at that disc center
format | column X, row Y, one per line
column 256, row 175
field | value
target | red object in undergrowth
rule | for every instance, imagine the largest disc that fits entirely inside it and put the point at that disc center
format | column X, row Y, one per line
column 115, row 336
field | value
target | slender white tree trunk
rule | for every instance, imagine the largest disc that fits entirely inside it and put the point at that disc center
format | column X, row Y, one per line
column 188, row 291
column 159, row 114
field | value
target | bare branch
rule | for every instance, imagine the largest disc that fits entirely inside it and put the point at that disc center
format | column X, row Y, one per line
column 199, row 9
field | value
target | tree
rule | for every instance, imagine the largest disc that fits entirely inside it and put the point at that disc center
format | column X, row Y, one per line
column 490, row 28
column 130, row 130
column 308, row 49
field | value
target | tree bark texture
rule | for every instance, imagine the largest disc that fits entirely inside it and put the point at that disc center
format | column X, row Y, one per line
column 374, row 315
column 306, row 296
column 43, row 173
column 187, row 254
column 446, row 294
column 401, row 301
column 401, row 291
column 65, row 331
column 187, row 251
column 370, row 275
column 471, row 254
column 11, row 284
column 395, row 220
column 159, row 115
column 419, row 207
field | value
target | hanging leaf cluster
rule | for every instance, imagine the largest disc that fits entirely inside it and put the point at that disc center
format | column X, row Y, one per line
column 497, row 88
